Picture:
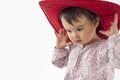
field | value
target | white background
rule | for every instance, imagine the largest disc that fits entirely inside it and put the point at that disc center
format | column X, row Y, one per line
column 26, row 42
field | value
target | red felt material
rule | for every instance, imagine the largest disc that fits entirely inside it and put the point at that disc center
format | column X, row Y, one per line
column 104, row 9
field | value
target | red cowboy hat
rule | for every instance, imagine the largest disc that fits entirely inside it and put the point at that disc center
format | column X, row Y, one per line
column 104, row 9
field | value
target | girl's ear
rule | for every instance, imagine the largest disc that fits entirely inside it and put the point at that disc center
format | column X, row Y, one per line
column 97, row 21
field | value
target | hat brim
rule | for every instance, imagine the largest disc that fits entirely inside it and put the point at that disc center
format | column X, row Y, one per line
column 105, row 10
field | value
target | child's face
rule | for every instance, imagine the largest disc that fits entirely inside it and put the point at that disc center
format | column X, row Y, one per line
column 82, row 31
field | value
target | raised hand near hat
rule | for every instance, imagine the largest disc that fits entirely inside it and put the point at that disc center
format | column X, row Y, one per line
column 113, row 28
column 61, row 39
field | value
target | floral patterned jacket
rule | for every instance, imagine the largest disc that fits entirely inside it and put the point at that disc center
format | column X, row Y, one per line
column 95, row 61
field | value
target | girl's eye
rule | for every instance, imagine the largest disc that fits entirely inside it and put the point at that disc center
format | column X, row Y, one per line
column 69, row 31
column 79, row 29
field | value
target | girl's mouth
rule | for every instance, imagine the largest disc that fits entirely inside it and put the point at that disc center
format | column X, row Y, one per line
column 78, row 40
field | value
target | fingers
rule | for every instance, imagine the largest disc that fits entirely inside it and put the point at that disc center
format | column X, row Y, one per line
column 60, row 34
column 113, row 27
column 56, row 34
column 114, row 23
column 103, row 32
column 66, row 37
column 115, row 19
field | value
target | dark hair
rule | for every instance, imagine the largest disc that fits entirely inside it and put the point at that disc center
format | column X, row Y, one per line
column 71, row 13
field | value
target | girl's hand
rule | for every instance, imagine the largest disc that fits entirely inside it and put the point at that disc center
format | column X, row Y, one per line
column 61, row 39
column 113, row 28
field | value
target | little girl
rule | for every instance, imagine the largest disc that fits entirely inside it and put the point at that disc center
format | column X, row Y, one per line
column 87, row 56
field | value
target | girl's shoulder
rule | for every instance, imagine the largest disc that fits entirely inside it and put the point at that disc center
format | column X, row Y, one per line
column 76, row 46
column 102, row 44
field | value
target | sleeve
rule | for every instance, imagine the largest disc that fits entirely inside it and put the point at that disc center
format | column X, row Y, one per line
column 60, row 57
column 114, row 50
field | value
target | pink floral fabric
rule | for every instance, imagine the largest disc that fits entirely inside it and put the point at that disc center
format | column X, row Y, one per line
column 95, row 61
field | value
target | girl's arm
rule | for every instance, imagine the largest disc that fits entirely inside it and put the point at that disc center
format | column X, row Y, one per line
column 114, row 50
column 114, row 43
column 60, row 54
column 60, row 57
